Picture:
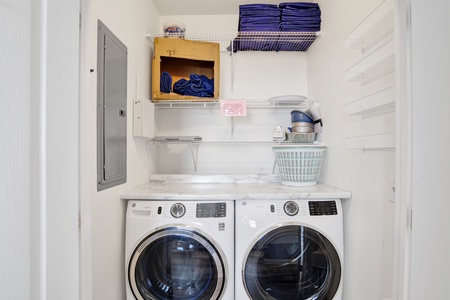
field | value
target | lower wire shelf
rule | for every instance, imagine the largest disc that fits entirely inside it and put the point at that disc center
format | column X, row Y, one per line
column 197, row 141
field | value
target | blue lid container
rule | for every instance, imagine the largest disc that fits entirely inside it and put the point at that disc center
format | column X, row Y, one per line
column 299, row 116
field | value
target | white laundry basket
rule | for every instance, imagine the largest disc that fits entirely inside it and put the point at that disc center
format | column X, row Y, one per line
column 299, row 165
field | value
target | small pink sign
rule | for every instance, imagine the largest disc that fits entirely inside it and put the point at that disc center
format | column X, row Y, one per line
column 233, row 108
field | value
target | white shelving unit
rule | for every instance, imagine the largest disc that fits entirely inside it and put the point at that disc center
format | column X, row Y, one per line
column 193, row 142
column 233, row 42
column 251, row 105
column 374, row 36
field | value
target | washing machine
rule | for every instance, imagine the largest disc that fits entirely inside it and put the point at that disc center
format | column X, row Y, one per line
column 179, row 250
column 291, row 249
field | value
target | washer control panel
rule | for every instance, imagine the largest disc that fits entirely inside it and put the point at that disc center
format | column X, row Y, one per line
column 322, row 208
column 211, row 210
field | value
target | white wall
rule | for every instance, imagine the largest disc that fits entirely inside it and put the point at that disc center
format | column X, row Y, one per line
column 104, row 227
column 368, row 216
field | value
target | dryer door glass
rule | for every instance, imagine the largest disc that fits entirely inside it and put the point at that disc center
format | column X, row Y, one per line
column 176, row 263
column 292, row 262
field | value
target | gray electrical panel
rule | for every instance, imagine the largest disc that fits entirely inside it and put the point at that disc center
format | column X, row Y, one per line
column 111, row 109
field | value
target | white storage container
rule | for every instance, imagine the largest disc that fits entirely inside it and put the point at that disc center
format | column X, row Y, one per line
column 299, row 165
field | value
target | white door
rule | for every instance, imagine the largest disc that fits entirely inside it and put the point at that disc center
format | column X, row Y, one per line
column 15, row 149
column 39, row 149
column 430, row 182
column 424, row 147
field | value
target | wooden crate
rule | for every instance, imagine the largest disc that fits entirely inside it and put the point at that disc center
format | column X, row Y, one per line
column 180, row 58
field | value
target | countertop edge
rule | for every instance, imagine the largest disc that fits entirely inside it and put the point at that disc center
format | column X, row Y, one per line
column 235, row 187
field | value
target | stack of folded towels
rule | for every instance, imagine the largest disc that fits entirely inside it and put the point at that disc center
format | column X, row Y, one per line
column 287, row 17
column 300, row 16
column 257, row 18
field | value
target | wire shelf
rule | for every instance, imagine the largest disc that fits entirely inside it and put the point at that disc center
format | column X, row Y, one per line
column 186, row 140
column 215, row 104
column 251, row 41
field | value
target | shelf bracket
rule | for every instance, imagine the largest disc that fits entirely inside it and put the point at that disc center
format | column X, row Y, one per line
column 194, row 156
column 232, row 127
column 232, row 66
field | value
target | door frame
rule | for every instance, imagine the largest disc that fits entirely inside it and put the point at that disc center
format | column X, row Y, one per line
column 54, row 171
column 403, row 177
column 403, row 152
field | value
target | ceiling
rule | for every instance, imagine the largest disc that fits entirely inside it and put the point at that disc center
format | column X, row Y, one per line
column 208, row 7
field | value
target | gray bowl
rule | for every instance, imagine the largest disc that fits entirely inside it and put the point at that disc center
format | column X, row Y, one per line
column 303, row 129
column 302, row 124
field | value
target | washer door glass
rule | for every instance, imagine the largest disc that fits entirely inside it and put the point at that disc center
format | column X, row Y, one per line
column 176, row 263
column 292, row 262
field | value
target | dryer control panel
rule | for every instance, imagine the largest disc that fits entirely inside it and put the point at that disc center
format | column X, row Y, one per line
column 321, row 208
column 211, row 210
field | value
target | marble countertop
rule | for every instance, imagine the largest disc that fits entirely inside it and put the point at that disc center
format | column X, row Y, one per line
column 228, row 187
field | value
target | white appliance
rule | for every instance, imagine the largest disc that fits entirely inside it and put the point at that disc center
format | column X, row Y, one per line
column 289, row 249
column 180, row 250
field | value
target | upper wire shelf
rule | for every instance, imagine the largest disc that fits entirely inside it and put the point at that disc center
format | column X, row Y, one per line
column 251, row 41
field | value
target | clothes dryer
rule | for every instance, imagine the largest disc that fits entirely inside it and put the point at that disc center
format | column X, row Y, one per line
column 290, row 249
column 179, row 250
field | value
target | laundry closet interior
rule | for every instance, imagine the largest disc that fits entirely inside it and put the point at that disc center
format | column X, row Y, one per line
column 348, row 72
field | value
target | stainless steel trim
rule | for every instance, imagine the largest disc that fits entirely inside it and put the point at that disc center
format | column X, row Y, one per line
column 270, row 229
column 174, row 229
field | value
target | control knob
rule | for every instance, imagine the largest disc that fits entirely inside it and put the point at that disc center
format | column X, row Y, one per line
column 177, row 210
column 291, row 208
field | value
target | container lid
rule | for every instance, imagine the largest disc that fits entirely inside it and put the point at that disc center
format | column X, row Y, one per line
column 178, row 26
column 298, row 147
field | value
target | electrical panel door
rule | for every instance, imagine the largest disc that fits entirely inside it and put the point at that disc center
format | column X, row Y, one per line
column 112, row 109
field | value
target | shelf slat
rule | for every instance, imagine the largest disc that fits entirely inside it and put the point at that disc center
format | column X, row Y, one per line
column 381, row 141
column 379, row 102
column 373, row 27
column 379, row 62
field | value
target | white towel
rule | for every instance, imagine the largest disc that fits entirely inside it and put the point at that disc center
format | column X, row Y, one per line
column 314, row 112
